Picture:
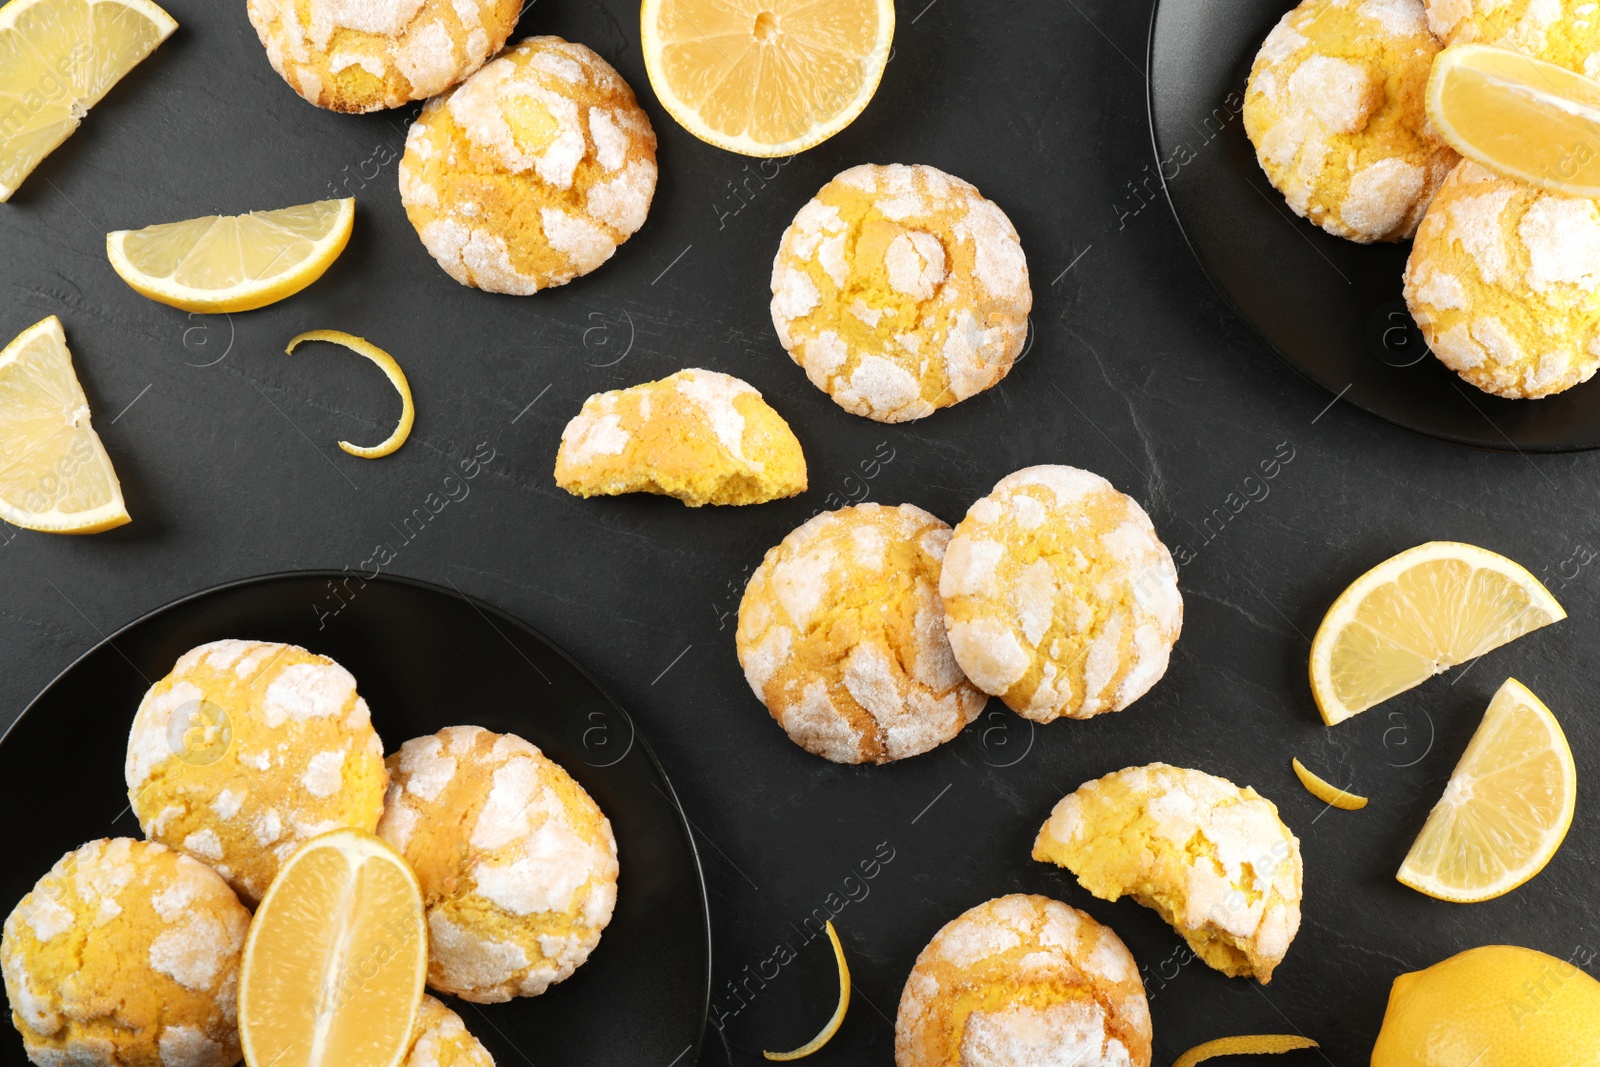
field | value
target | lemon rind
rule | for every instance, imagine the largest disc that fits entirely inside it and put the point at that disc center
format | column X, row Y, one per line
column 391, row 370
column 1325, row 790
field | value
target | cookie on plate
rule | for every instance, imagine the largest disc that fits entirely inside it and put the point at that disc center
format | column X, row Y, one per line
column 532, row 171
column 363, row 55
column 442, row 1040
column 246, row 751
column 1504, row 281
column 1023, row 980
column 1335, row 109
column 700, row 436
column 841, row 636
column 518, row 865
column 1059, row 597
column 1564, row 32
column 901, row 290
column 1212, row 859
column 126, row 953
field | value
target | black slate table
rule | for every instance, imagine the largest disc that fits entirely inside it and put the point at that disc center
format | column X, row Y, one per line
column 226, row 452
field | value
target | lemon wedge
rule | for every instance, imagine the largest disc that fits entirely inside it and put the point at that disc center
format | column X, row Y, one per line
column 1244, row 1045
column 832, row 1026
column 58, row 59
column 226, row 263
column 1506, row 810
column 1418, row 614
column 765, row 77
column 335, row 959
column 1521, row 116
column 397, row 377
column 55, row 475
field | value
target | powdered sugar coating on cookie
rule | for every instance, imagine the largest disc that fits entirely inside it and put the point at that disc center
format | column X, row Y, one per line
column 442, row 1040
column 901, row 290
column 841, row 636
column 1563, row 32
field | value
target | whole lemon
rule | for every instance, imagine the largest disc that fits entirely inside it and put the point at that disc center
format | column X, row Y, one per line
column 1496, row 1006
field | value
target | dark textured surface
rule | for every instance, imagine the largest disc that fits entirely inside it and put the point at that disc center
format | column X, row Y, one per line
column 1138, row 372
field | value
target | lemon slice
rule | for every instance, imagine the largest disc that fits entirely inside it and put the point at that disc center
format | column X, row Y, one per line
column 1416, row 615
column 335, row 960
column 397, row 377
column 1507, row 807
column 58, row 59
column 766, row 77
column 1518, row 115
column 1244, row 1045
column 55, row 475
column 233, row 262
column 1326, row 791
column 832, row 1025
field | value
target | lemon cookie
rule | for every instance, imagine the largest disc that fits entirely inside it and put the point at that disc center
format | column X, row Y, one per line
column 1023, row 980
column 363, row 55
column 841, row 636
column 1564, row 32
column 126, row 954
column 1504, row 281
column 700, row 436
column 246, row 751
column 901, row 290
column 1334, row 107
column 532, row 171
column 1059, row 597
column 442, row 1040
column 1212, row 859
column 518, row 865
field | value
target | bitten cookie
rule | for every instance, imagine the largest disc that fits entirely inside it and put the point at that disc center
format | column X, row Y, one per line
column 1504, row 281
column 841, row 636
column 1335, row 108
column 126, row 954
column 1059, row 597
column 1564, row 32
column 1212, row 859
column 532, row 171
column 700, row 436
column 518, row 865
column 1023, row 980
column 901, row 290
column 363, row 55
column 246, row 751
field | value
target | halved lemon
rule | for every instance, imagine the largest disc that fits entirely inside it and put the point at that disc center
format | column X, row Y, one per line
column 1416, row 615
column 1506, row 810
column 58, row 59
column 1521, row 116
column 55, row 475
column 233, row 262
column 335, row 960
column 766, row 77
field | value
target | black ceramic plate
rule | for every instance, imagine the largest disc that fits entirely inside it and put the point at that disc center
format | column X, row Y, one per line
column 1330, row 308
column 424, row 658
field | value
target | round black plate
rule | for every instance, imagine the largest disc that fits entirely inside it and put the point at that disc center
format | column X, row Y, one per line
column 1330, row 308
column 425, row 658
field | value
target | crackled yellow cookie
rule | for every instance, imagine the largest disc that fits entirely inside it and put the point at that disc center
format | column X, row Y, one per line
column 442, row 1040
column 246, row 751
column 1059, row 597
column 1212, row 859
column 841, row 636
column 518, row 865
column 901, row 290
column 1334, row 106
column 1023, row 980
column 363, row 55
column 532, row 171
column 1504, row 281
column 126, row 954
column 700, row 436
column 1564, row 32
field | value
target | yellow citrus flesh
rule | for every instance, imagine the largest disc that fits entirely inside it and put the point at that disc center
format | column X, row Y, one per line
column 1244, row 1045
column 1521, row 116
column 227, row 263
column 832, row 1026
column 1506, row 810
column 59, row 58
column 1418, row 614
column 55, row 475
column 1326, row 791
column 766, row 77
column 397, row 377
column 336, row 957
column 1495, row 1006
